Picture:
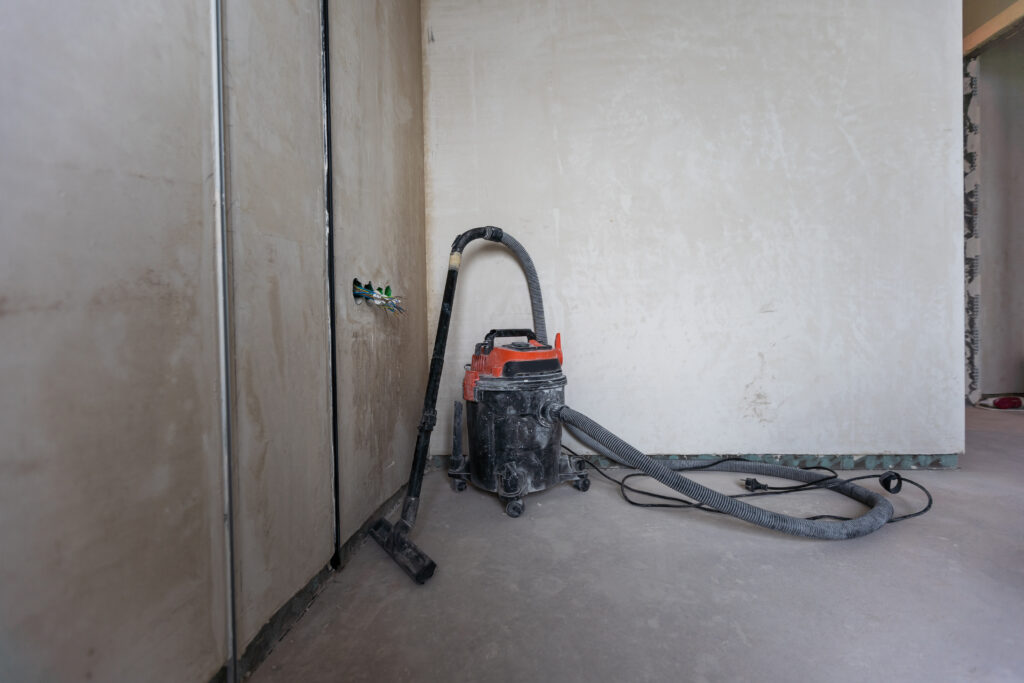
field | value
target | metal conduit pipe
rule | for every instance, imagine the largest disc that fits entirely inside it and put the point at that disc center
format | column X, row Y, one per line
column 224, row 326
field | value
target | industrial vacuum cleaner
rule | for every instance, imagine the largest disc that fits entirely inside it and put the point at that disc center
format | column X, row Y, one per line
column 515, row 409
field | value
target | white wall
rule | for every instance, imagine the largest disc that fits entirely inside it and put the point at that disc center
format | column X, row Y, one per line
column 376, row 98
column 112, row 564
column 747, row 216
column 284, row 494
column 1001, row 215
column 111, row 512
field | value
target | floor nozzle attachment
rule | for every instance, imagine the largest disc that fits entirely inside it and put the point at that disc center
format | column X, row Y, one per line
column 404, row 552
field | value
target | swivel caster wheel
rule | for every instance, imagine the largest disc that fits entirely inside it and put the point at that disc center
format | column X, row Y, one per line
column 514, row 508
column 459, row 484
column 582, row 484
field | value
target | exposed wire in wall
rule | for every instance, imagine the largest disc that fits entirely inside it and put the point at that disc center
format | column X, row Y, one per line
column 380, row 297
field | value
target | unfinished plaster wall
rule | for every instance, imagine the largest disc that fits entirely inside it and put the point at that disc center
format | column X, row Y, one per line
column 283, row 489
column 1001, row 215
column 110, row 487
column 377, row 129
column 746, row 216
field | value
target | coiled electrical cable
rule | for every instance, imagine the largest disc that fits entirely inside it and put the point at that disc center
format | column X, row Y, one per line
column 754, row 487
column 829, row 528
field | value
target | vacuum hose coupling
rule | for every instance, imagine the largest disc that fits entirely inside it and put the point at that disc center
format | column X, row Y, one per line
column 549, row 412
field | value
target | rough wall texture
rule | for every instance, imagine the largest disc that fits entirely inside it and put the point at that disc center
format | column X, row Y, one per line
column 1001, row 215
column 746, row 215
column 377, row 129
column 284, row 496
column 110, row 505
column 972, row 241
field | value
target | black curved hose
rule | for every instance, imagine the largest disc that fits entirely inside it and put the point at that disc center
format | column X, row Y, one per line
column 428, row 418
column 880, row 513
column 533, row 283
column 532, row 279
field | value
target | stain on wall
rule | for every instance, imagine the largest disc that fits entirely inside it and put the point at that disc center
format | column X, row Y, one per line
column 283, row 489
column 746, row 216
column 110, row 489
column 377, row 130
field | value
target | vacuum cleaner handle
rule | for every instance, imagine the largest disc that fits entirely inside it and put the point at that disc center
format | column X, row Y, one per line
column 498, row 334
column 394, row 539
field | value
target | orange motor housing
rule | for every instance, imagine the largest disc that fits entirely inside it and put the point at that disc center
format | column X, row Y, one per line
column 511, row 360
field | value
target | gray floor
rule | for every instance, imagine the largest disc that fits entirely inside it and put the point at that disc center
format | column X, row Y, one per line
column 585, row 587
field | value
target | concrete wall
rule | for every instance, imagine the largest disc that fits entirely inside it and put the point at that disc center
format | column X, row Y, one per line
column 110, row 507
column 1001, row 215
column 284, row 495
column 746, row 215
column 377, row 126
column 110, row 472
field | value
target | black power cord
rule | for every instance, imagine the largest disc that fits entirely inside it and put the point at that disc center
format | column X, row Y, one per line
column 891, row 482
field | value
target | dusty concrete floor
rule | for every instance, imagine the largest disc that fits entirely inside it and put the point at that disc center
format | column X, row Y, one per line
column 585, row 587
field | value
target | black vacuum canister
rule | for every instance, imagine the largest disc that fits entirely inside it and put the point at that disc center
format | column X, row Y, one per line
column 513, row 449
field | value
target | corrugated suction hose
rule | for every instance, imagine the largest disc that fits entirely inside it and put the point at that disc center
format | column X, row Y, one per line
column 881, row 511
column 533, row 284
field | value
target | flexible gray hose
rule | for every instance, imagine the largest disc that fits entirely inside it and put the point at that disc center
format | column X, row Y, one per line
column 880, row 513
column 532, row 282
